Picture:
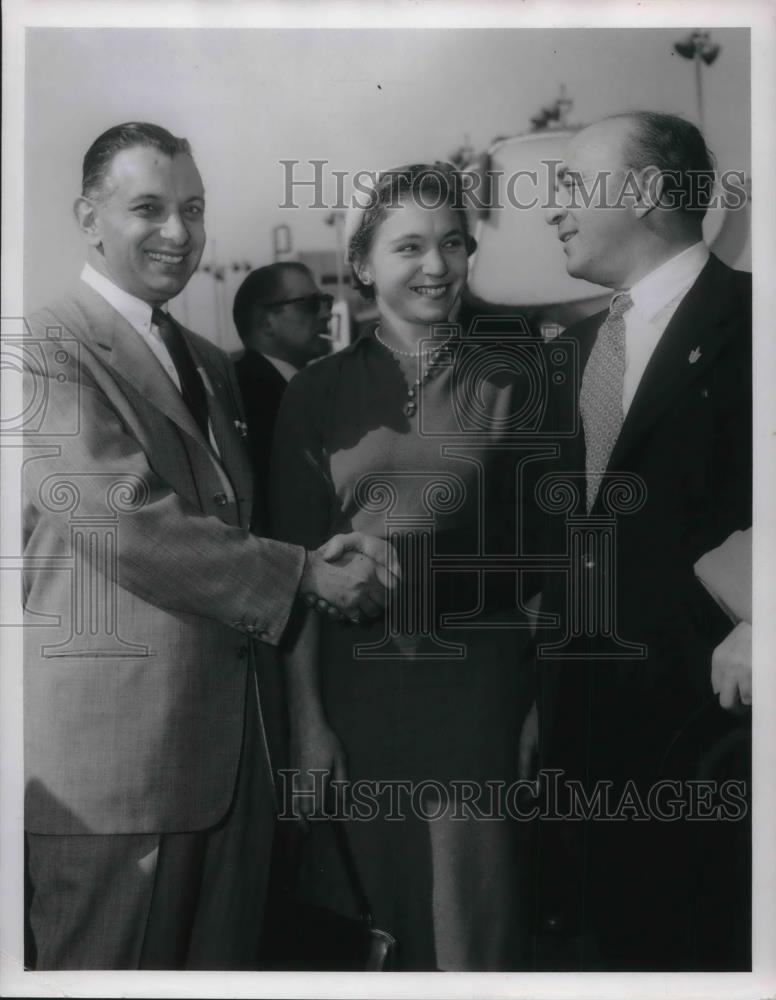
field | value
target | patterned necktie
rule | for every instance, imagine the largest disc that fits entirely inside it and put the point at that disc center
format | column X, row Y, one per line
column 192, row 389
column 600, row 401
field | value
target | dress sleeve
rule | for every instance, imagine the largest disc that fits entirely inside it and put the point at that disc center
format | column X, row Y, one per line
column 301, row 493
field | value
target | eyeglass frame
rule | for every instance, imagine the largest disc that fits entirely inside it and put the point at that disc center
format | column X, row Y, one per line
column 323, row 298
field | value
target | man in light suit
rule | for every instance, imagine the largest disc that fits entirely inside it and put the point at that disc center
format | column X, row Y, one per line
column 661, row 463
column 149, row 801
column 282, row 318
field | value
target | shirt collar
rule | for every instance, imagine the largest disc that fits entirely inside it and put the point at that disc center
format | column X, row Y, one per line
column 285, row 368
column 673, row 277
column 136, row 312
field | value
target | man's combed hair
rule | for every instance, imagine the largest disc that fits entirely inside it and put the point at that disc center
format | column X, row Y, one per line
column 261, row 287
column 100, row 154
column 677, row 148
column 430, row 184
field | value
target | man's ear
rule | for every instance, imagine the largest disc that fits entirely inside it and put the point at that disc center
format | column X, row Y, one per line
column 86, row 216
column 651, row 184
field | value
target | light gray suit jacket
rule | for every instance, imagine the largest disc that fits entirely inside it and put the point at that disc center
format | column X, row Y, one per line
column 143, row 587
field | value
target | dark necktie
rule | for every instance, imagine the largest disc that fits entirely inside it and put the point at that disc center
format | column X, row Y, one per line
column 600, row 401
column 192, row 389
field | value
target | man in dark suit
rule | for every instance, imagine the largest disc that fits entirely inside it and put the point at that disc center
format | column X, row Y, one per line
column 283, row 320
column 653, row 470
column 149, row 807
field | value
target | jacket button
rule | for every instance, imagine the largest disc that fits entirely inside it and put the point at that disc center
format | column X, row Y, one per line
column 220, row 499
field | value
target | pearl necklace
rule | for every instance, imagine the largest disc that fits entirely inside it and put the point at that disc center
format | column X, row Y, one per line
column 431, row 356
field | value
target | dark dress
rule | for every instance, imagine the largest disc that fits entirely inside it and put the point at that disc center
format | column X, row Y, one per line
column 416, row 701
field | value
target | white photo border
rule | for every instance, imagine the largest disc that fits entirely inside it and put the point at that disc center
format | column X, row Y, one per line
column 208, row 14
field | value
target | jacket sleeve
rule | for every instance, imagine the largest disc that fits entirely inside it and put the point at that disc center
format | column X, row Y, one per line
column 169, row 552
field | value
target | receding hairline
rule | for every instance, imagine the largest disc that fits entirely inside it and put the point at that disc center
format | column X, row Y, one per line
column 108, row 182
column 625, row 134
column 99, row 157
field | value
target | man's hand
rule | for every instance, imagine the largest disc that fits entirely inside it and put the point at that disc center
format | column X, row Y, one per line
column 731, row 668
column 378, row 550
column 351, row 573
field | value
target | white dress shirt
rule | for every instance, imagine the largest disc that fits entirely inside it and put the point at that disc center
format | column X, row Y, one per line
column 285, row 368
column 656, row 298
column 138, row 314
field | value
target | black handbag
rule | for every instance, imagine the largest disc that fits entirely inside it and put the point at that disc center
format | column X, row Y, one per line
column 300, row 936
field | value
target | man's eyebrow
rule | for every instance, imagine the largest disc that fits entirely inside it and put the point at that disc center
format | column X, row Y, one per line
column 139, row 199
column 572, row 175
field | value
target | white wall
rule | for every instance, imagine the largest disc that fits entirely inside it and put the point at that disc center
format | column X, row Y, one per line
column 361, row 99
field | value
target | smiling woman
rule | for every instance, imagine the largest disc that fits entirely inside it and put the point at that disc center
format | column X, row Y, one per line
column 411, row 242
column 405, row 709
column 142, row 211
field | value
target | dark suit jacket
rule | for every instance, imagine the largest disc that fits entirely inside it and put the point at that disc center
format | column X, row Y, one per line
column 684, row 455
column 262, row 387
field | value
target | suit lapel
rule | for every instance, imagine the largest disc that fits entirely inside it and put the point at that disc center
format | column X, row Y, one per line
column 224, row 418
column 132, row 359
column 134, row 362
column 270, row 374
column 695, row 334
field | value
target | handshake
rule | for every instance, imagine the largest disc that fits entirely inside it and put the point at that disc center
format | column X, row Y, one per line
column 350, row 577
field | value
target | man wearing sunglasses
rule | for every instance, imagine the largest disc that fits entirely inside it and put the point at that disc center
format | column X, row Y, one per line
column 283, row 321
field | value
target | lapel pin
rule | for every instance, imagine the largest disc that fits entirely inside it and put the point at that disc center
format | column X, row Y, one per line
column 695, row 353
column 242, row 428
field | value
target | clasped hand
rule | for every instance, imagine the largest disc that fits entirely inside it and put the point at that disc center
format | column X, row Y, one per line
column 731, row 668
column 350, row 576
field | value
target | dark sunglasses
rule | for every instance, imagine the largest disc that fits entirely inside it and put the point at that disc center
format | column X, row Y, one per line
column 308, row 303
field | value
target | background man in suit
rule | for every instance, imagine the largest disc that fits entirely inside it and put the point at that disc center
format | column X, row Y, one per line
column 149, row 801
column 664, row 407
column 283, row 320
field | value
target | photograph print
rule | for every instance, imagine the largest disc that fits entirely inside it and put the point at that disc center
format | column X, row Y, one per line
column 385, row 471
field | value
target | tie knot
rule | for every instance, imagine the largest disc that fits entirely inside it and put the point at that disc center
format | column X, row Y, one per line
column 621, row 303
column 160, row 318
column 167, row 327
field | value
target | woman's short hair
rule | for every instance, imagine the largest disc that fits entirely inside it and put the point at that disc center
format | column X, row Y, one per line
column 431, row 184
